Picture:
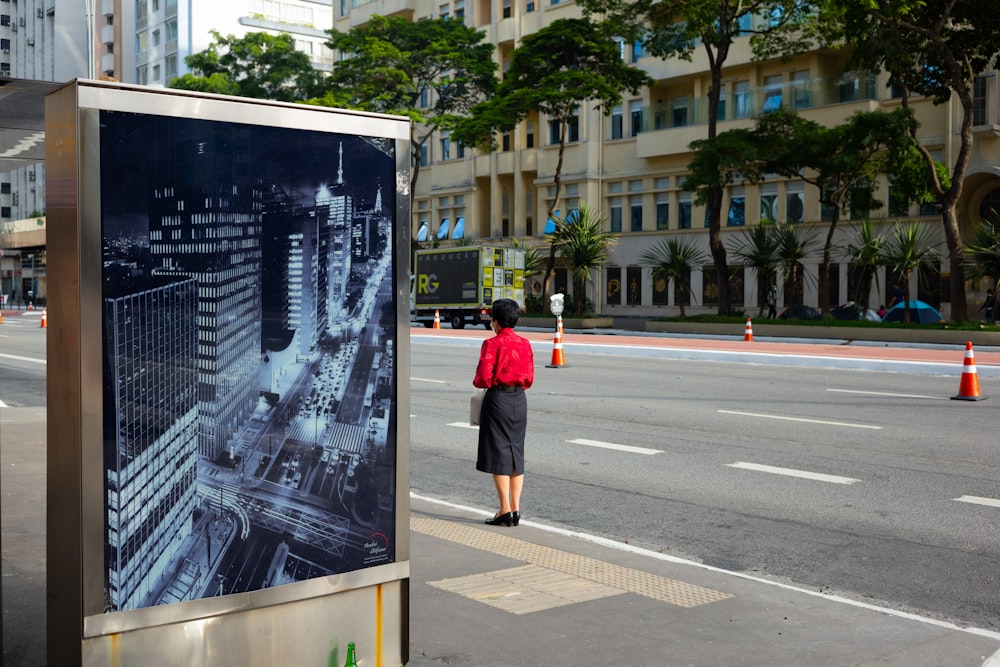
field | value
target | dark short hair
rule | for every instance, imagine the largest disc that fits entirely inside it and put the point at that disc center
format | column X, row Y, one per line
column 506, row 313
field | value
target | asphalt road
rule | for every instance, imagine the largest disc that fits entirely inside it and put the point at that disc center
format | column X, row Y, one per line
column 866, row 483
column 836, row 479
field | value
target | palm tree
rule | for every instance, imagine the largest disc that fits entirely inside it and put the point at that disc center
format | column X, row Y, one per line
column 583, row 242
column 758, row 250
column 910, row 247
column 794, row 246
column 984, row 250
column 673, row 259
column 866, row 254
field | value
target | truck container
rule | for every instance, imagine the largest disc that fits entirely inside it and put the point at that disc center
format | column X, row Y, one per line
column 461, row 284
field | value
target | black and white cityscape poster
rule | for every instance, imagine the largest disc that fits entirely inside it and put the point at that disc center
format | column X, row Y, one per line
column 249, row 330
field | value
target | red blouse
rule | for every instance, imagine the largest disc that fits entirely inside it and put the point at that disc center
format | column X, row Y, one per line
column 506, row 359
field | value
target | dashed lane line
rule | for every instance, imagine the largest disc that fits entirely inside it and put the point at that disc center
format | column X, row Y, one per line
column 884, row 393
column 976, row 500
column 617, row 447
column 799, row 419
column 791, row 472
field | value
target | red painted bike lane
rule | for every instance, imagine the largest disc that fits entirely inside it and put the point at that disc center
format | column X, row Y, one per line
column 897, row 352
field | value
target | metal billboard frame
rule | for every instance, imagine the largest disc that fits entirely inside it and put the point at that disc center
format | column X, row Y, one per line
column 304, row 622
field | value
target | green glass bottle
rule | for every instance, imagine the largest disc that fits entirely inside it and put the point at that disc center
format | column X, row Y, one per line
column 351, row 661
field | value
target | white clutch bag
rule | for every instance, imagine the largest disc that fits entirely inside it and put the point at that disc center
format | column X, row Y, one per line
column 476, row 405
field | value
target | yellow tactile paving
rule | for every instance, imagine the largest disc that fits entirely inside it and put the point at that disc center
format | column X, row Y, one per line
column 625, row 579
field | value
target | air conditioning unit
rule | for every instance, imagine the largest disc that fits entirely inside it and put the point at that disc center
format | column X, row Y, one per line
column 21, row 22
column 51, row 11
column 13, row 27
column 29, row 41
column 40, row 13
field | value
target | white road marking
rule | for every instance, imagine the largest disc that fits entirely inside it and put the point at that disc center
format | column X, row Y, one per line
column 804, row 474
column 883, row 393
column 464, row 425
column 976, row 500
column 611, row 445
column 3, row 405
column 413, row 379
column 799, row 419
column 17, row 358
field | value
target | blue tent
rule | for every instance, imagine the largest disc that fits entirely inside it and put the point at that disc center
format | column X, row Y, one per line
column 921, row 312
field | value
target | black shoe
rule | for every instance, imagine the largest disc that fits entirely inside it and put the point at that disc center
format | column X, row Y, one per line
column 515, row 518
column 501, row 520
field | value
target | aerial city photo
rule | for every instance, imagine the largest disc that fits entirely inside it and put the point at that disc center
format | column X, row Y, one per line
column 248, row 356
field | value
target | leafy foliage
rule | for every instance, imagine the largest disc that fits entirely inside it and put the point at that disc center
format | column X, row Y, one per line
column 866, row 252
column 910, row 248
column 583, row 242
column 258, row 65
column 674, row 260
column 397, row 63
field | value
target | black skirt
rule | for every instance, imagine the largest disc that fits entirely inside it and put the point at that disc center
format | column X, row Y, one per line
column 502, row 425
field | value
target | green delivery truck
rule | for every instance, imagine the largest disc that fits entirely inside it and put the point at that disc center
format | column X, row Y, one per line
column 462, row 283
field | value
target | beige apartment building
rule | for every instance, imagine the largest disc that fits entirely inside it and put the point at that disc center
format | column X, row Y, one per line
column 631, row 162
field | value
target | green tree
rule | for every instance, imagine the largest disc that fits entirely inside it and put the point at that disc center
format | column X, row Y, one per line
column 910, row 248
column 396, row 63
column 552, row 72
column 678, row 28
column 934, row 48
column 258, row 65
column 583, row 242
column 843, row 162
column 866, row 254
column 758, row 249
column 673, row 260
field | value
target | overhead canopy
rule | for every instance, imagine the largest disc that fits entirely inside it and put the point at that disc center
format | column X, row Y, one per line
column 22, row 122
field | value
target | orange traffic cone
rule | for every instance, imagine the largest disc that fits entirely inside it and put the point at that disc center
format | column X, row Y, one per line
column 1, row 318
column 968, row 389
column 558, row 358
column 31, row 305
column 44, row 323
column 748, row 332
column 437, row 320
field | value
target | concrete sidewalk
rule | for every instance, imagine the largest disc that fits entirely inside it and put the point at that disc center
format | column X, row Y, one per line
column 531, row 595
column 534, row 595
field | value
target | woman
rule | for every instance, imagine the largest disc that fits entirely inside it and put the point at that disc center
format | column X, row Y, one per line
column 506, row 368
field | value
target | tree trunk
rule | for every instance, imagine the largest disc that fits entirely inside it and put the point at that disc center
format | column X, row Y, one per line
column 713, row 200
column 550, row 265
column 824, row 271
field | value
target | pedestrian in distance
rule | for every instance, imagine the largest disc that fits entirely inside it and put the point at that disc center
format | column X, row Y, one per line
column 772, row 303
column 989, row 306
column 881, row 310
column 506, row 368
column 897, row 295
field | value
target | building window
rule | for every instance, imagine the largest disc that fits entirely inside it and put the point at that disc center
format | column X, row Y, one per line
column 800, row 89
column 769, row 202
column 425, row 160
column 721, row 111
column 662, row 211
column 460, row 10
column 633, row 282
column 741, row 95
column 505, row 142
column 613, row 286
column 990, row 206
column 445, row 146
column 616, row 215
column 529, row 136
column 637, row 50
column 684, row 211
column 5, row 45
column 529, row 6
column 156, row 38
column 737, row 208
column 142, row 75
column 899, row 206
column 979, row 101
column 507, row 11
column 794, row 203
column 156, row 72
column 170, row 65
column 772, row 94
column 617, row 122
column 620, row 43
column 444, row 11
column 572, row 132
column 635, row 213
column 4, row 19
column 635, row 111
column 679, row 111
column 425, row 98
column 459, row 150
